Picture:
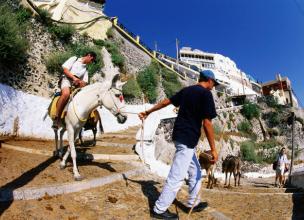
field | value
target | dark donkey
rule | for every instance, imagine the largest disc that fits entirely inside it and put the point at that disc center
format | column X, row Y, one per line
column 204, row 159
column 91, row 124
column 232, row 164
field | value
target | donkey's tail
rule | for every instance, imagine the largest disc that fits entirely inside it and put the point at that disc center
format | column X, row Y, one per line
column 45, row 115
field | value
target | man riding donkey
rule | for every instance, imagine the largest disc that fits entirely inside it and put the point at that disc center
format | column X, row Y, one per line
column 75, row 74
column 196, row 108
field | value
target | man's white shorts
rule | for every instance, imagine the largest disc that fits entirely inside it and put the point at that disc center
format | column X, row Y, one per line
column 65, row 82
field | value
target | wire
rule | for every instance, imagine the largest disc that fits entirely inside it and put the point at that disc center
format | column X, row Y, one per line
column 62, row 22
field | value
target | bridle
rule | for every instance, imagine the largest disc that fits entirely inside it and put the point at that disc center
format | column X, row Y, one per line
column 112, row 94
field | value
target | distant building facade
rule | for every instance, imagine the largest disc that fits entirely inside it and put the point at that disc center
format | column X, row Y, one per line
column 281, row 89
column 232, row 79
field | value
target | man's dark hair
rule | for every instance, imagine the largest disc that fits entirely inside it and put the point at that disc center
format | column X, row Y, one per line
column 92, row 54
column 203, row 79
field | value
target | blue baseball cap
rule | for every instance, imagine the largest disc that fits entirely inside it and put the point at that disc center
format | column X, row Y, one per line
column 210, row 75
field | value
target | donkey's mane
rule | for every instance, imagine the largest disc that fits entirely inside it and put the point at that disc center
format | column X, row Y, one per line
column 93, row 86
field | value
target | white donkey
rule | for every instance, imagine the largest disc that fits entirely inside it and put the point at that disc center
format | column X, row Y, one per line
column 107, row 94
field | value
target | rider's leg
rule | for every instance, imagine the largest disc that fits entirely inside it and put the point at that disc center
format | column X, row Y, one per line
column 65, row 94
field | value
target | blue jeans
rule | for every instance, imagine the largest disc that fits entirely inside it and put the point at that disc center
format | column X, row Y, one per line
column 184, row 162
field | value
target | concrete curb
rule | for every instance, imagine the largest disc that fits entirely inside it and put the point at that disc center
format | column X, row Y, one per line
column 255, row 193
column 216, row 214
column 58, row 189
column 111, row 144
column 117, row 157
column 109, row 135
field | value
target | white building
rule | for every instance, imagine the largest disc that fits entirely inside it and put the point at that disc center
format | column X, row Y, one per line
column 232, row 79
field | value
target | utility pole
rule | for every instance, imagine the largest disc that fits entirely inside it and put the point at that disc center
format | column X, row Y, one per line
column 177, row 55
column 155, row 44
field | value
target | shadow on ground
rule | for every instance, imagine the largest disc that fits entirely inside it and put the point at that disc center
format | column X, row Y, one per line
column 21, row 181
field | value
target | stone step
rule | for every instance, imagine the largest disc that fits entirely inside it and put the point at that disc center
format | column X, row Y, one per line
column 111, row 135
column 112, row 144
column 84, row 156
column 58, row 189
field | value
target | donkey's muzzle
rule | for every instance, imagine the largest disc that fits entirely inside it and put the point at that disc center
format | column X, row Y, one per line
column 121, row 118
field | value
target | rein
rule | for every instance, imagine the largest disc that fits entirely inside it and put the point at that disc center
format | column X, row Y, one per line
column 73, row 104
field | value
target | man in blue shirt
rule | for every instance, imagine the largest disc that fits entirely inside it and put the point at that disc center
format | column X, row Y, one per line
column 196, row 108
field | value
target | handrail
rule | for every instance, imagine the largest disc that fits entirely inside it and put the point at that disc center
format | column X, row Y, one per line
column 139, row 43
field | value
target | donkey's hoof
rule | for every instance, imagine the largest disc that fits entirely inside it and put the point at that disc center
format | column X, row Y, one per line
column 78, row 178
column 62, row 166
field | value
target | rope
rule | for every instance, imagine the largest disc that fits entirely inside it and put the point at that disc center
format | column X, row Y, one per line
column 73, row 104
column 213, row 169
column 142, row 134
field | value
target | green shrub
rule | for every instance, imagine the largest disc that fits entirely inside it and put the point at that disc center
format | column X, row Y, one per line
column 44, row 16
column 55, row 60
column 269, row 144
column 23, row 15
column 273, row 119
column 273, row 132
column 116, row 56
column 271, row 101
column 13, row 44
column 269, row 157
column 168, row 75
column 250, row 111
column 224, row 114
column 248, row 152
column 170, row 88
column 231, row 144
column 148, row 81
column 170, row 82
column 131, row 89
column 219, row 94
column 229, row 125
column 244, row 127
column 231, row 117
column 80, row 49
column 217, row 128
column 62, row 32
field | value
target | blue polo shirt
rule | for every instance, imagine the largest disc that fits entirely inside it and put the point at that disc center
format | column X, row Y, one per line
column 195, row 104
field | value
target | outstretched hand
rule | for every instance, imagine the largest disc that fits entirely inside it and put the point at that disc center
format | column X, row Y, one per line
column 214, row 156
column 143, row 115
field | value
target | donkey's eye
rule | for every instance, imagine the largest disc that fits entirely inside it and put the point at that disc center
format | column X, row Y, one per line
column 117, row 95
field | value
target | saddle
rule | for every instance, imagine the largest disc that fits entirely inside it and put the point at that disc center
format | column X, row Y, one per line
column 52, row 107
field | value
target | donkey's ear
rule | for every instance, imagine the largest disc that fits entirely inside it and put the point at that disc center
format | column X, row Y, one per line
column 120, row 84
column 115, row 79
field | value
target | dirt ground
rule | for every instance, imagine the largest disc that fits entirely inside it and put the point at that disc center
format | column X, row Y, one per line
column 131, row 198
column 18, row 168
column 87, row 147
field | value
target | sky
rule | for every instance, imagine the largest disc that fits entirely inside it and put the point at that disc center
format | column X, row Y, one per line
column 263, row 37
